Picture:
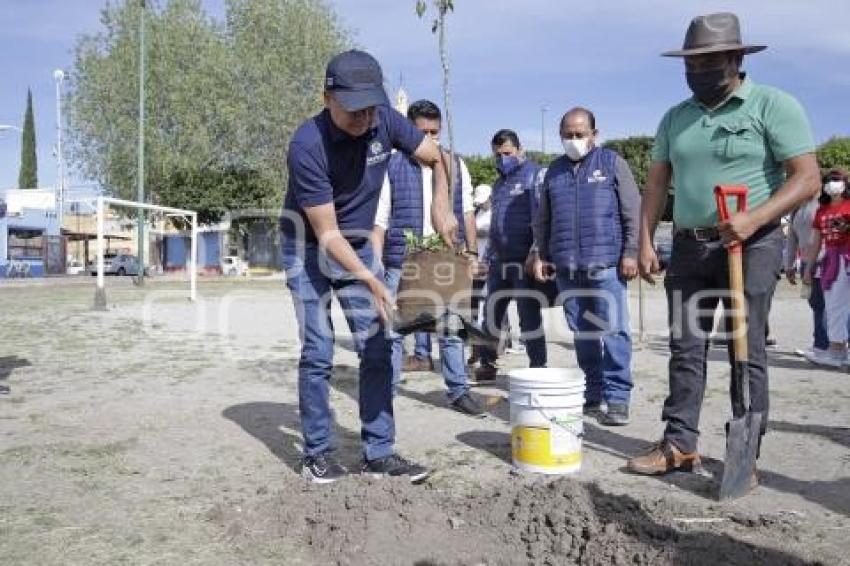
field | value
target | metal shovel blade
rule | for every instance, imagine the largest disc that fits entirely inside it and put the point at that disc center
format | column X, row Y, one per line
column 742, row 442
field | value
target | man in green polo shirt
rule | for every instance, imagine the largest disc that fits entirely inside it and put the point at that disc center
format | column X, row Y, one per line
column 733, row 131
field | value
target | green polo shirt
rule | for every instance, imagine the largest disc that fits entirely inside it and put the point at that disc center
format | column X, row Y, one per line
column 743, row 141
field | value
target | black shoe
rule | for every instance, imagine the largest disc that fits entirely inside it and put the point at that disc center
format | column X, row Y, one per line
column 395, row 466
column 322, row 469
column 485, row 373
column 592, row 408
column 616, row 415
column 467, row 405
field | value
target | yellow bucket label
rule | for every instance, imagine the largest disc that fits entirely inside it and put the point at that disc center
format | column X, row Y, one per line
column 533, row 445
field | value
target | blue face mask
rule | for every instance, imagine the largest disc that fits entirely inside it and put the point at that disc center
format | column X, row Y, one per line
column 505, row 164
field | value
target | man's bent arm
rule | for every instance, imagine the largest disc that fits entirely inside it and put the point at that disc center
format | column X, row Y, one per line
column 802, row 182
column 428, row 153
column 323, row 220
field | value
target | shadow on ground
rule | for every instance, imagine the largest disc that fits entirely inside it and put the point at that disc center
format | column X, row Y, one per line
column 838, row 434
column 493, row 442
column 7, row 365
column 276, row 425
column 833, row 495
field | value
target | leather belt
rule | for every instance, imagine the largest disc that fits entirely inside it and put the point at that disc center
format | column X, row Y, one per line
column 708, row 234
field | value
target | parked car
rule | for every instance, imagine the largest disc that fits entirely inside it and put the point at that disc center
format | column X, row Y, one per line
column 233, row 266
column 121, row 264
column 75, row 267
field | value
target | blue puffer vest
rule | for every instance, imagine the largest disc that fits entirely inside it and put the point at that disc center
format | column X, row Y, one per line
column 514, row 210
column 586, row 226
column 405, row 176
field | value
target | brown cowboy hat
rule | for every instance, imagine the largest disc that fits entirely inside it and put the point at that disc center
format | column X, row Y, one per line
column 713, row 33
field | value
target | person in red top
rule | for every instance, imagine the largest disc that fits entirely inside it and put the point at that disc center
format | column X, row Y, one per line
column 832, row 233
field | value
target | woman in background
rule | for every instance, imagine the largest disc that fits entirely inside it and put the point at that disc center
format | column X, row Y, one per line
column 832, row 233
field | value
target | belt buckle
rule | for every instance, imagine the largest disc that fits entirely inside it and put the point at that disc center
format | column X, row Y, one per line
column 702, row 234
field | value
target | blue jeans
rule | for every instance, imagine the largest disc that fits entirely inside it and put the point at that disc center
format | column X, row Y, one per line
column 312, row 286
column 452, row 362
column 421, row 342
column 597, row 312
column 503, row 279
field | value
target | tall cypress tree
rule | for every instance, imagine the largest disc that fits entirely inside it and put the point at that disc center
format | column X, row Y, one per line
column 28, row 177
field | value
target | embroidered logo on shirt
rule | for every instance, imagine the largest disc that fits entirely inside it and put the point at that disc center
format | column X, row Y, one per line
column 597, row 177
column 378, row 153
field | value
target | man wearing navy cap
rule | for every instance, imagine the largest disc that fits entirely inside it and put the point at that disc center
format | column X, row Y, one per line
column 336, row 162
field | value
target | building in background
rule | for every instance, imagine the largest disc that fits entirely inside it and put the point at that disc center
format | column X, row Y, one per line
column 31, row 244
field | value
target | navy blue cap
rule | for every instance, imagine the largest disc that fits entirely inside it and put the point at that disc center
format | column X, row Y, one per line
column 356, row 80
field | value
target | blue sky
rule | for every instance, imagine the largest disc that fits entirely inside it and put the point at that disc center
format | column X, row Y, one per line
column 509, row 58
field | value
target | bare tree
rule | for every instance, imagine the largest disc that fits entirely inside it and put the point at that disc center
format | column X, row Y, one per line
column 438, row 26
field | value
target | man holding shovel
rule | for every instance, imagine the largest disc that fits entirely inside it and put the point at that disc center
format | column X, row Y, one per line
column 336, row 162
column 731, row 132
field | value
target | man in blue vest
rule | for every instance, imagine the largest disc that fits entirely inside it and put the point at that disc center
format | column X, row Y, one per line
column 514, row 207
column 336, row 162
column 403, row 207
column 587, row 238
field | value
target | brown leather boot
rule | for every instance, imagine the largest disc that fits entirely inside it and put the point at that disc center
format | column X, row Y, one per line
column 412, row 363
column 664, row 457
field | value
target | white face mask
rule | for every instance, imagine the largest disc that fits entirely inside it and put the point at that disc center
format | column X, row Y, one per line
column 576, row 149
column 834, row 188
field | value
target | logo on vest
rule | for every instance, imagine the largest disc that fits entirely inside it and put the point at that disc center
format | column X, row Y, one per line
column 517, row 190
column 597, row 177
column 376, row 148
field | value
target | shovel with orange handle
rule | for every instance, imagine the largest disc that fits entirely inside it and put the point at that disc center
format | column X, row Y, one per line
column 742, row 431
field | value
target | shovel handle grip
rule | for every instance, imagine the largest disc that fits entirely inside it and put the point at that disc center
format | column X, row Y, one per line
column 721, row 193
column 736, row 269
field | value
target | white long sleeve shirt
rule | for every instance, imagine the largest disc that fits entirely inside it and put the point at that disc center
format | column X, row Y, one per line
column 385, row 203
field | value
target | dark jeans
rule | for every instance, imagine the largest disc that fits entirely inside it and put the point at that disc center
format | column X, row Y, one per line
column 819, row 338
column 697, row 272
column 506, row 281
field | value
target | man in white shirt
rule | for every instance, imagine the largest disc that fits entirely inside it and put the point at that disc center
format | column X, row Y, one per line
column 404, row 205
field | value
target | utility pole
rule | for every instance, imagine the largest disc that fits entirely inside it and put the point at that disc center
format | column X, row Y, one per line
column 59, row 76
column 543, row 130
column 140, row 182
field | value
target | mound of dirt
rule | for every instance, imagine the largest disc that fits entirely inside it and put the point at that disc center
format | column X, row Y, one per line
column 369, row 522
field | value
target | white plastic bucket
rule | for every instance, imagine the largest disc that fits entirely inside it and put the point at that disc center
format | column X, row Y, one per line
column 546, row 419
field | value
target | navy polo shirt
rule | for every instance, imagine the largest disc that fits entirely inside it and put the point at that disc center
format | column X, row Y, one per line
column 327, row 165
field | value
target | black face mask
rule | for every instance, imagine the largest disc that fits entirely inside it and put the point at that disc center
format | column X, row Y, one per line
column 708, row 86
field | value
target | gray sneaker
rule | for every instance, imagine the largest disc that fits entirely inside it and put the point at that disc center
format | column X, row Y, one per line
column 616, row 415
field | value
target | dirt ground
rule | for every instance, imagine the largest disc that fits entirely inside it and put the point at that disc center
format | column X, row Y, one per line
column 166, row 432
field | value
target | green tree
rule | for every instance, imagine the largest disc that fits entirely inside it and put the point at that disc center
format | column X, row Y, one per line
column 213, row 192
column 637, row 151
column 221, row 96
column 482, row 169
column 543, row 159
column 28, row 176
column 834, row 154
